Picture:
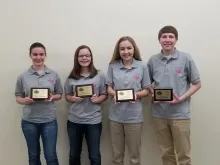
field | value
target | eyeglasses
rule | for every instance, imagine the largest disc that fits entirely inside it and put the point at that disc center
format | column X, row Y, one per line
column 85, row 55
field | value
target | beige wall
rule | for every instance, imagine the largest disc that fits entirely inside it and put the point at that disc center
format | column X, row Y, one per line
column 63, row 25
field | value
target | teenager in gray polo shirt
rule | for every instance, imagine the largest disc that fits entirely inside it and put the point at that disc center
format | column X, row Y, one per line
column 126, row 70
column 175, row 69
column 39, row 117
column 85, row 114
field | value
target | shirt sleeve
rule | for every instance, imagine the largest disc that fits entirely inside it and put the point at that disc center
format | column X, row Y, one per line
column 19, row 90
column 146, row 82
column 109, row 76
column 68, row 89
column 102, row 87
column 192, row 71
column 58, row 89
column 150, row 70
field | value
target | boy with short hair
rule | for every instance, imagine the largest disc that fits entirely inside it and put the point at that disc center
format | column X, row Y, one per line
column 174, row 69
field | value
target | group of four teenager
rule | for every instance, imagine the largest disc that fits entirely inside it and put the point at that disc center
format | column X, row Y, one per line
column 169, row 68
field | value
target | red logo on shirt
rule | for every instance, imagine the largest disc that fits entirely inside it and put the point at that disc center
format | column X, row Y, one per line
column 136, row 77
column 94, row 84
column 51, row 80
column 178, row 70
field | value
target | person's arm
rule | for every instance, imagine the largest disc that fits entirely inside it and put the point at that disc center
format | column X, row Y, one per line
column 151, row 90
column 145, row 84
column 69, row 98
column 20, row 94
column 194, row 78
column 150, row 70
column 72, row 99
column 19, row 100
column 102, row 91
column 193, row 89
column 109, row 81
column 57, row 97
column 54, row 97
column 58, row 90
column 98, row 99
column 112, row 93
column 70, row 93
column 110, row 90
column 24, row 100
column 142, row 93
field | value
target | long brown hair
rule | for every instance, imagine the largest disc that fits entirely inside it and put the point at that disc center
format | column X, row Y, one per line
column 75, row 73
column 116, row 54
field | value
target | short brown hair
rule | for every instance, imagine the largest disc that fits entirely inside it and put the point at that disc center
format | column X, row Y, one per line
column 75, row 73
column 37, row 45
column 168, row 29
column 116, row 55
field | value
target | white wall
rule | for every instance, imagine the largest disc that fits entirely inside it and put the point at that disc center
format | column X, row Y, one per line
column 63, row 25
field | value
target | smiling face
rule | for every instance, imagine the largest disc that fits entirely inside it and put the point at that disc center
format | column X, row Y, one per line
column 126, row 50
column 38, row 56
column 168, row 36
column 84, row 57
column 168, row 42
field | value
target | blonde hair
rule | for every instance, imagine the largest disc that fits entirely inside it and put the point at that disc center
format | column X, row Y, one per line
column 116, row 54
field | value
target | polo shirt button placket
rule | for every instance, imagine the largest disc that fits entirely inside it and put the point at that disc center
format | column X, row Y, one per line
column 166, row 68
column 38, row 81
column 126, row 78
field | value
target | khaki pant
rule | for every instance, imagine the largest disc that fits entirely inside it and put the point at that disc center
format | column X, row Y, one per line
column 131, row 135
column 174, row 140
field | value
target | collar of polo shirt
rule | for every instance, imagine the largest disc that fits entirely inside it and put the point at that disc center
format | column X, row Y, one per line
column 32, row 71
column 85, row 76
column 174, row 54
column 133, row 65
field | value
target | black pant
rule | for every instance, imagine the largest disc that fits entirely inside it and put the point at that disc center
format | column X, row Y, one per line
column 92, row 134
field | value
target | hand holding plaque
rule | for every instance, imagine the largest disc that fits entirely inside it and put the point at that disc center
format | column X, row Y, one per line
column 94, row 99
column 86, row 90
column 28, row 100
column 50, row 98
column 176, row 99
column 125, row 95
column 38, row 94
column 163, row 94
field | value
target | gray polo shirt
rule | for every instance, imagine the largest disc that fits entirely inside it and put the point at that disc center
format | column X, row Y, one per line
column 39, row 111
column 177, row 72
column 86, row 112
column 119, row 77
